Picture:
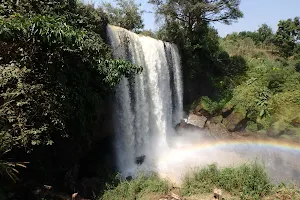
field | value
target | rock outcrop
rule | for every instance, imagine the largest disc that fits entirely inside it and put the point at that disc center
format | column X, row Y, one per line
column 196, row 120
column 232, row 121
column 217, row 119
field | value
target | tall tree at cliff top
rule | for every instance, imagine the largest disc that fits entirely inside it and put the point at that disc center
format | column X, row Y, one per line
column 287, row 37
column 124, row 13
column 187, row 23
column 194, row 12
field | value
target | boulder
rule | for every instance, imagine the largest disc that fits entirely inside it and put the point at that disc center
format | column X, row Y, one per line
column 184, row 126
column 196, row 120
column 217, row 131
column 233, row 120
column 200, row 110
column 296, row 122
column 217, row 119
column 180, row 125
column 227, row 110
column 140, row 159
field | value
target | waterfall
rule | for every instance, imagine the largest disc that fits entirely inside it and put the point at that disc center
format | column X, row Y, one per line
column 148, row 106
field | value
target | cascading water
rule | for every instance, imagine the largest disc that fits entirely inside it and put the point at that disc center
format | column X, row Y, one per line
column 149, row 105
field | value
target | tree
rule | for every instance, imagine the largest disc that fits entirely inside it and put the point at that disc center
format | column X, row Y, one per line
column 125, row 13
column 194, row 12
column 287, row 37
column 56, row 73
column 265, row 34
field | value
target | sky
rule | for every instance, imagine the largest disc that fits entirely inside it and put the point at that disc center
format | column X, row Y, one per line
column 256, row 12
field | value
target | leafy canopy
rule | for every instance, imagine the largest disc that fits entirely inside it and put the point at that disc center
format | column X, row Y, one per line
column 124, row 13
column 194, row 12
column 55, row 72
column 288, row 36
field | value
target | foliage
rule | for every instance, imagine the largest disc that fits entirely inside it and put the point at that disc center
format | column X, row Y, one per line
column 288, row 36
column 187, row 23
column 193, row 13
column 136, row 188
column 26, row 80
column 248, row 181
column 56, row 72
column 9, row 169
column 264, row 35
column 125, row 13
column 211, row 106
column 269, row 91
column 148, row 33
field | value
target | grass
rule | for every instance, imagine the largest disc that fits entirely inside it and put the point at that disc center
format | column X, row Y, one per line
column 137, row 188
column 248, row 181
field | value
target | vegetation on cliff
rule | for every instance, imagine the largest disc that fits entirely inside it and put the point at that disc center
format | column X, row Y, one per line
column 251, row 74
column 56, row 72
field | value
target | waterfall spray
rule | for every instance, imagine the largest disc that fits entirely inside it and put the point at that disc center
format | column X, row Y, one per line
column 149, row 105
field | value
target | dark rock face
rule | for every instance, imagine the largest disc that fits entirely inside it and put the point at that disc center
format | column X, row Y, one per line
column 140, row 159
column 186, row 126
column 231, row 122
column 180, row 125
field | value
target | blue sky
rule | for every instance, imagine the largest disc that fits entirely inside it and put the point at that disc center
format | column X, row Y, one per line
column 256, row 12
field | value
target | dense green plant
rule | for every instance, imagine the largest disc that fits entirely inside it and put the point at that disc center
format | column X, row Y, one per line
column 247, row 181
column 211, row 106
column 136, row 188
column 56, row 72
column 124, row 13
column 287, row 36
column 187, row 23
column 264, row 35
column 9, row 169
column 29, row 85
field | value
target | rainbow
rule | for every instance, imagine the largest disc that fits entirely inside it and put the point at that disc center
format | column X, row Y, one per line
column 231, row 143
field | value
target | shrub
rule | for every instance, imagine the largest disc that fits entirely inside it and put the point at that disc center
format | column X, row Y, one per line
column 136, row 188
column 248, row 181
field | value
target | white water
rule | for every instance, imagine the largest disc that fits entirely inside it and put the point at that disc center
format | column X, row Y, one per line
column 148, row 106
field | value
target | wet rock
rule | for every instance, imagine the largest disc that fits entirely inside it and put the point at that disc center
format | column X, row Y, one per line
column 217, row 131
column 140, row 159
column 180, row 125
column 227, row 110
column 233, row 120
column 217, row 119
column 196, row 120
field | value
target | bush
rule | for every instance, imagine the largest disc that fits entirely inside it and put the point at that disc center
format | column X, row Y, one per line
column 136, row 188
column 247, row 181
column 56, row 72
column 213, row 106
column 276, row 80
